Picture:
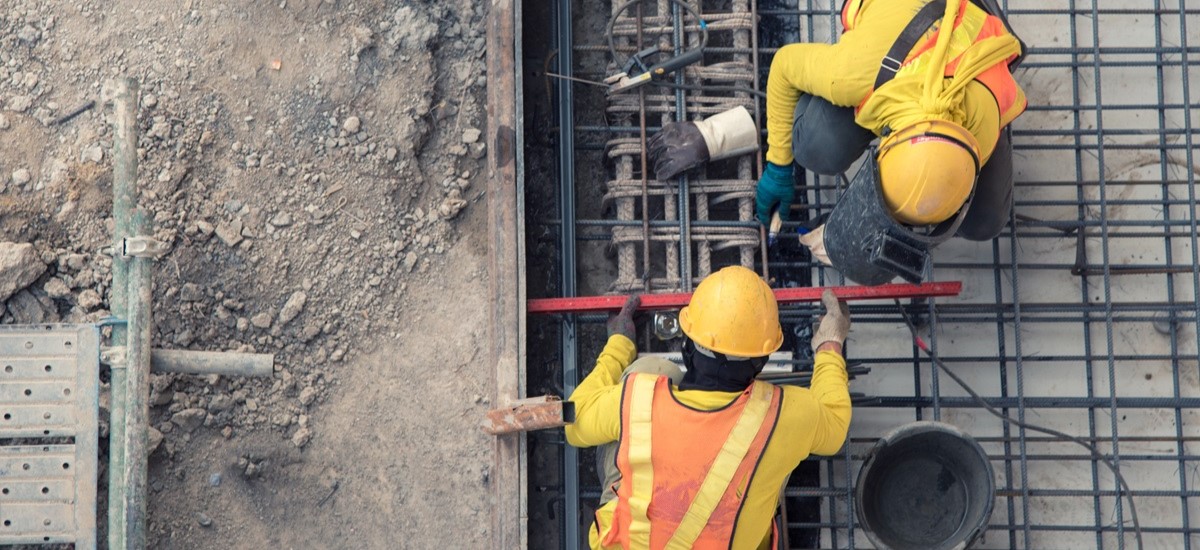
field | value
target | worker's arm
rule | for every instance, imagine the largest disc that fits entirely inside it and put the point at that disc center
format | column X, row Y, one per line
column 797, row 69
column 831, row 390
column 598, row 398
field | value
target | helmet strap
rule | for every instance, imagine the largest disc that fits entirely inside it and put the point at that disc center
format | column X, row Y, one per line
column 718, row 372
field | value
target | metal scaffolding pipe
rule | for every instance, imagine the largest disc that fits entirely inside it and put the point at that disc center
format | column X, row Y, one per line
column 224, row 363
column 137, row 393
column 124, row 126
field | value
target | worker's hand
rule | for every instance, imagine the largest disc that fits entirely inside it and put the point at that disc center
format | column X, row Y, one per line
column 815, row 241
column 835, row 324
column 622, row 323
column 681, row 146
column 775, row 192
column 678, row 147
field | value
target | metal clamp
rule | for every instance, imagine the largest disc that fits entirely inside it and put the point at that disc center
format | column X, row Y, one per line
column 143, row 247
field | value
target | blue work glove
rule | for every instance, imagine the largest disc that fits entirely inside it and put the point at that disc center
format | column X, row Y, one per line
column 775, row 190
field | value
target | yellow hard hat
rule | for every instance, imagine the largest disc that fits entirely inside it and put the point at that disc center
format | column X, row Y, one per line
column 927, row 170
column 733, row 312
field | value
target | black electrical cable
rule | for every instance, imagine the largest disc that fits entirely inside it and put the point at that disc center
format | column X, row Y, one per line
column 612, row 46
column 1137, row 526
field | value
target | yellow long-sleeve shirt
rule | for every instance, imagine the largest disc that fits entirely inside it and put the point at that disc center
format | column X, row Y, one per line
column 811, row 421
column 843, row 73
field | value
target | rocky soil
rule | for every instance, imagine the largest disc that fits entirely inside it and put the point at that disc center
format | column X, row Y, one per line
column 315, row 168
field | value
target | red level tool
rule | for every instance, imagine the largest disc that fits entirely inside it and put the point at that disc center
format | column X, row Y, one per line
column 585, row 304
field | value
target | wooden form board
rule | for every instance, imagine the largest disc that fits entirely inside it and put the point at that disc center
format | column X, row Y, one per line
column 506, row 269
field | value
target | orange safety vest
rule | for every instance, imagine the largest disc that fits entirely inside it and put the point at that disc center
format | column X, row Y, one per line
column 973, row 25
column 684, row 472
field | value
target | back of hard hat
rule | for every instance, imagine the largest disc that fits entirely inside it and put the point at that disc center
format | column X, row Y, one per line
column 927, row 171
column 734, row 312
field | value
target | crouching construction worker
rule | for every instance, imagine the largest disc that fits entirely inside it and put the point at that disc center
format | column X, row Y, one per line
column 940, row 101
column 699, row 459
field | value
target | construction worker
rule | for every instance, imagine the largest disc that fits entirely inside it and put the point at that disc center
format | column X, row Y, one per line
column 699, row 459
column 940, row 102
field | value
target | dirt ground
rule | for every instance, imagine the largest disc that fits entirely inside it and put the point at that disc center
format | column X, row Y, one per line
column 315, row 166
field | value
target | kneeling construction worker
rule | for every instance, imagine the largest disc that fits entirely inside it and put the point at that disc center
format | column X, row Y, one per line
column 939, row 101
column 699, row 459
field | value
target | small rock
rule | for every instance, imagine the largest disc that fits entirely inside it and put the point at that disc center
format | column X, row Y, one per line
column 214, row 479
column 261, row 320
column 20, row 103
column 471, row 135
column 20, row 266
column 410, row 260
column 92, row 154
column 4, row 124
column 149, row 101
column 21, row 176
column 203, row 520
column 308, row 395
column 206, row 229
column 282, row 219
column 352, row 125
column 230, row 233
column 227, row 432
column 452, row 204
column 156, row 438
column 189, row 419
column 293, row 307
column 26, row 309
column 88, row 299
column 191, row 292
column 28, row 34
column 56, row 288
column 301, row 437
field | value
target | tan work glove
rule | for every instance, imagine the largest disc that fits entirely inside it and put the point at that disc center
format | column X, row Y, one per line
column 835, row 324
column 815, row 241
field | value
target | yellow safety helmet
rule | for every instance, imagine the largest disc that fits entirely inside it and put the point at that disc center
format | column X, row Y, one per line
column 733, row 312
column 927, row 171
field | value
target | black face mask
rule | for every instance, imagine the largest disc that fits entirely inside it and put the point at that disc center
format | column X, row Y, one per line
column 717, row 373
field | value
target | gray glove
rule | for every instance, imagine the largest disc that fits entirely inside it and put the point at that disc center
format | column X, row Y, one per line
column 622, row 323
column 835, row 324
column 681, row 146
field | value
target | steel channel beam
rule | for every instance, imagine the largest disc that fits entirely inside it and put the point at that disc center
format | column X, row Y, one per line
column 568, row 337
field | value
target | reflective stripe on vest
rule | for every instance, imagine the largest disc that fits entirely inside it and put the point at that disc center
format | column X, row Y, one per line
column 690, row 493
column 973, row 25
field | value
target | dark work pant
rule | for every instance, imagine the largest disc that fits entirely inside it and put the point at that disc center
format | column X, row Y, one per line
column 826, row 140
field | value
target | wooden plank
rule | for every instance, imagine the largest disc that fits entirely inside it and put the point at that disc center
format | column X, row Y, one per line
column 506, row 328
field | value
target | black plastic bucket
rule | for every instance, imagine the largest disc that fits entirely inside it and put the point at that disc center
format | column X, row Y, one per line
column 925, row 486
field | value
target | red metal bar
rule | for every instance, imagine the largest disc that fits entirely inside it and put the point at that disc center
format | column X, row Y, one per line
column 585, row 304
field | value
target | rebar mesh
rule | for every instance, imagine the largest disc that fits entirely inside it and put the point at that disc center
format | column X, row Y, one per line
column 1081, row 316
column 677, row 256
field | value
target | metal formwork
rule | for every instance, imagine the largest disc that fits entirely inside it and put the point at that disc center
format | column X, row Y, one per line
column 1081, row 316
column 49, row 388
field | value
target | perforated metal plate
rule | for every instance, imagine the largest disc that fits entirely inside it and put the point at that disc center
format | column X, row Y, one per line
column 49, row 385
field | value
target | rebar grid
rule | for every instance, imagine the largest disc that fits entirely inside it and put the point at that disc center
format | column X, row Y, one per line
column 1081, row 316
column 677, row 255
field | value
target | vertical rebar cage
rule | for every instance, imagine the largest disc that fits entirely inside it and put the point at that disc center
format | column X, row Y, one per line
column 1081, row 316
